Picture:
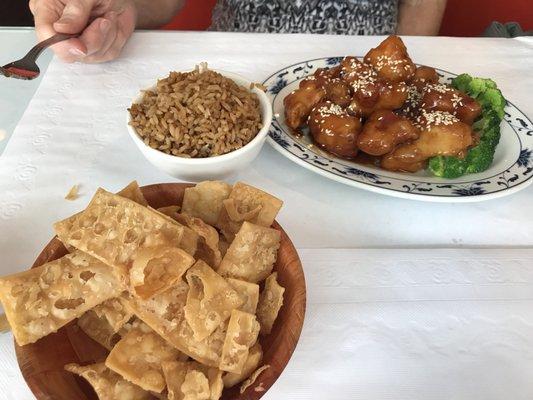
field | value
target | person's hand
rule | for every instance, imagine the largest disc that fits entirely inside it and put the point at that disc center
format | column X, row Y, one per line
column 104, row 27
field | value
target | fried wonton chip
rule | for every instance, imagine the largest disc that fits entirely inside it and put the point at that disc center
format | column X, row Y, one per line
column 98, row 329
column 251, row 380
column 116, row 312
column 171, row 211
column 189, row 241
column 133, row 192
column 107, row 384
column 223, row 246
column 251, row 256
column 208, row 249
column 192, row 381
column 207, row 232
column 251, row 364
column 270, row 302
column 113, row 228
column 41, row 300
column 248, row 291
column 155, row 269
column 242, row 333
column 138, row 356
column 164, row 314
column 247, row 203
column 195, row 386
column 103, row 322
column 210, row 300
column 204, row 200
column 128, row 326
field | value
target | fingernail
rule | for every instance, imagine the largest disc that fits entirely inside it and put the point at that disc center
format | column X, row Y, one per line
column 105, row 25
column 76, row 52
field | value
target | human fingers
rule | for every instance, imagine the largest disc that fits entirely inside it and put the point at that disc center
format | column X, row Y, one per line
column 75, row 16
column 125, row 27
column 100, row 35
column 46, row 13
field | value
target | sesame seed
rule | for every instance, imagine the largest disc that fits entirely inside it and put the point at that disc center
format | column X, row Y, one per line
column 438, row 87
column 330, row 109
column 427, row 119
column 457, row 100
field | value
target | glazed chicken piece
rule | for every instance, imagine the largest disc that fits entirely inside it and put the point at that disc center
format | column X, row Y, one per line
column 328, row 73
column 353, row 69
column 386, row 96
column 362, row 80
column 391, row 95
column 300, row 102
column 442, row 134
column 334, row 130
column 337, row 91
column 423, row 76
column 391, row 60
column 441, row 97
column 370, row 93
column 400, row 165
column 383, row 131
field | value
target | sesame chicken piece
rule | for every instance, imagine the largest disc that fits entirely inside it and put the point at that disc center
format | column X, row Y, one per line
column 300, row 102
column 337, row 91
column 423, row 76
column 441, row 134
column 391, row 60
column 383, row 131
column 384, row 95
column 400, row 165
column 334, row 130
column 392, row 95
column 370, row 92
column 441, row 97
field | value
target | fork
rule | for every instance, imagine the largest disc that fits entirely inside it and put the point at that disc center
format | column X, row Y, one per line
column 27, row 68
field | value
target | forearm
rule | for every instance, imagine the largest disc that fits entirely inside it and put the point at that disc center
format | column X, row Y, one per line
column 420, row 17
column 154, row 13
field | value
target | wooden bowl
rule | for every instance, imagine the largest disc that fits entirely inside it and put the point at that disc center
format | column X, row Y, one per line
column 42, row 362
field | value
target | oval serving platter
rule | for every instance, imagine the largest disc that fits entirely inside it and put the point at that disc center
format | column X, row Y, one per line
column 511, row 170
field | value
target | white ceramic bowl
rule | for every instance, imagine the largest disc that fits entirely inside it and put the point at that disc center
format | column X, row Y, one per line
column 218, row 167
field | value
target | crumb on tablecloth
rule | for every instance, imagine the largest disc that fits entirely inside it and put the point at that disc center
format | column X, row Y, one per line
column 73, row 193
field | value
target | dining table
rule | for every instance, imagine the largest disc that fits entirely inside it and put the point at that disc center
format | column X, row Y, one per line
column 406, row 300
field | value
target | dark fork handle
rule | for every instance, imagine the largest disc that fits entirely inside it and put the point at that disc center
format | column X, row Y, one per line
column 36, row 51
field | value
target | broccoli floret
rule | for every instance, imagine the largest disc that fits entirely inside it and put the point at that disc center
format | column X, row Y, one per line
column 473, row 86
column 479, row 157
column 447, row 167
column 492, row 100
column 461, row 82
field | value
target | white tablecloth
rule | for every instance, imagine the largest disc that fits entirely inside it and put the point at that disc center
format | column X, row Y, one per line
column 441, row 327
column 400, row 325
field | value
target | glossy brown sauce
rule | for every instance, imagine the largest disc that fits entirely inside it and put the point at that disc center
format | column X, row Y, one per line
column 367, row 159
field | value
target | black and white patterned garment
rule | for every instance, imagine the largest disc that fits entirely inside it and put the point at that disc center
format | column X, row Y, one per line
column 346, row 17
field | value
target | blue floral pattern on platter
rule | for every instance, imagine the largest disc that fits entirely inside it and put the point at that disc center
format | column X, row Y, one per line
column 511, row 171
